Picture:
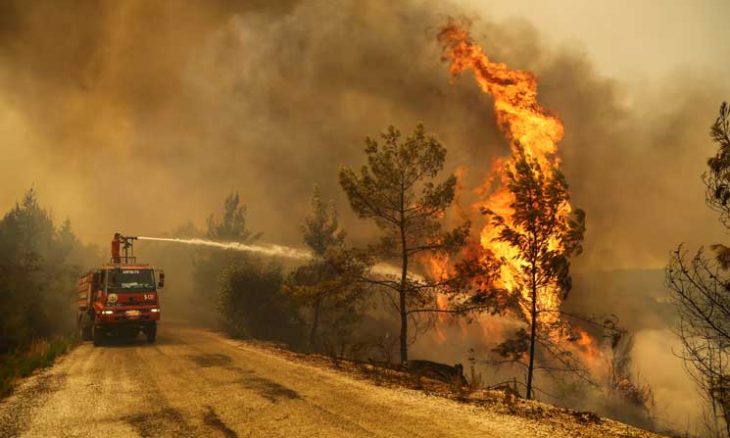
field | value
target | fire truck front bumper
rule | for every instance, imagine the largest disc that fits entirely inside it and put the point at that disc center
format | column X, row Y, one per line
column 128, row 316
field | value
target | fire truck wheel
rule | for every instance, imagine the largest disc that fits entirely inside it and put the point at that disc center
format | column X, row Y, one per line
column 151, row 332
column 97, row 335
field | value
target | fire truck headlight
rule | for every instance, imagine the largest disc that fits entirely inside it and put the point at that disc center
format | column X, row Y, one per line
column 107, row 312
column 155, row 310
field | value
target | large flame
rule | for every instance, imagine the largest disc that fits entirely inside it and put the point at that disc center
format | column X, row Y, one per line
column 526, row 125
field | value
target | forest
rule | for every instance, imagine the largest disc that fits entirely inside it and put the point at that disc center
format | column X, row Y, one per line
column 343, row 305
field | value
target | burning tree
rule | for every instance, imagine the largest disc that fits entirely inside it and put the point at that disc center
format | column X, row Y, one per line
column 544, row 236
column 533, row 230
column 396, row 189
column 701, row 289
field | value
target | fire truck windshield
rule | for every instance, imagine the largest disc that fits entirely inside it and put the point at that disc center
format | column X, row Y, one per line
column 130, row 280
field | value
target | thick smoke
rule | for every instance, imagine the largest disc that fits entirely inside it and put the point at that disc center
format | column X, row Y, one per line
column 145, row 115
column 139, row 116
column 148, row 115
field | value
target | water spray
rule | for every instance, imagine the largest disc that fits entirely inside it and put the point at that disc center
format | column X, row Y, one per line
column 270, row 250
column 384, row 269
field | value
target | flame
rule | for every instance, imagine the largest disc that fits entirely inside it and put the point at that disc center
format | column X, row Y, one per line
column 519, row 115
column 526, row 124
column 440, row 269
column 587, row 343
column 534, row 130
column 593, row 357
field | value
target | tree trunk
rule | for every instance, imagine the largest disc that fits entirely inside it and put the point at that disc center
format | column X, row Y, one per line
column 315, row 323
column 533, row 332
column 403, row 285
column 402, row 303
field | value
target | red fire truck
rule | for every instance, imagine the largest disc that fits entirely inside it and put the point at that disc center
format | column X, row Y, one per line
column 121, row 298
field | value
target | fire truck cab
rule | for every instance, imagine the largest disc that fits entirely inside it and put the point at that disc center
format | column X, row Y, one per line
column 121, row 298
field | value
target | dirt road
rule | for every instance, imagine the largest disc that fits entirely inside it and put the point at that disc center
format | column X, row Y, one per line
column 198, row 383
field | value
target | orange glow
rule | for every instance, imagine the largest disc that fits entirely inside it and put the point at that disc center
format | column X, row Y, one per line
column 593, row 358
column 440, row 269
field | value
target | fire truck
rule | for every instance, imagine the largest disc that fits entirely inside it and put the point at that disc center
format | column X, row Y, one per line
column 121, row 298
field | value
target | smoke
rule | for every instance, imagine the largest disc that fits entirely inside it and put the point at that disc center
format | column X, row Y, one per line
column 142, row 115
column 148, row 114
column 679, row 404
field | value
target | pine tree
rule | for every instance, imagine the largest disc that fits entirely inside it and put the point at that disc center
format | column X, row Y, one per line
column 328, row 284
column 700, row 287
column 398, row 191
column 545, row 236
column 208, row 265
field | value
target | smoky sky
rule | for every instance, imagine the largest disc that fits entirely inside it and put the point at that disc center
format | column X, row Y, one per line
column 141, row 116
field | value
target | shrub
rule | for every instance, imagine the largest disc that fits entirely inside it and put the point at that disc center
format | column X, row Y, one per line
column 253, row 304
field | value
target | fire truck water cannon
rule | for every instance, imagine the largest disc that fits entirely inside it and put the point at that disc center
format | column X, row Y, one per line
column 126, row 244
column 121, row 298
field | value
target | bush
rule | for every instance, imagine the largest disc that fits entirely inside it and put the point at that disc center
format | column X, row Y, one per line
column 253, row 304
column 40, row 353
